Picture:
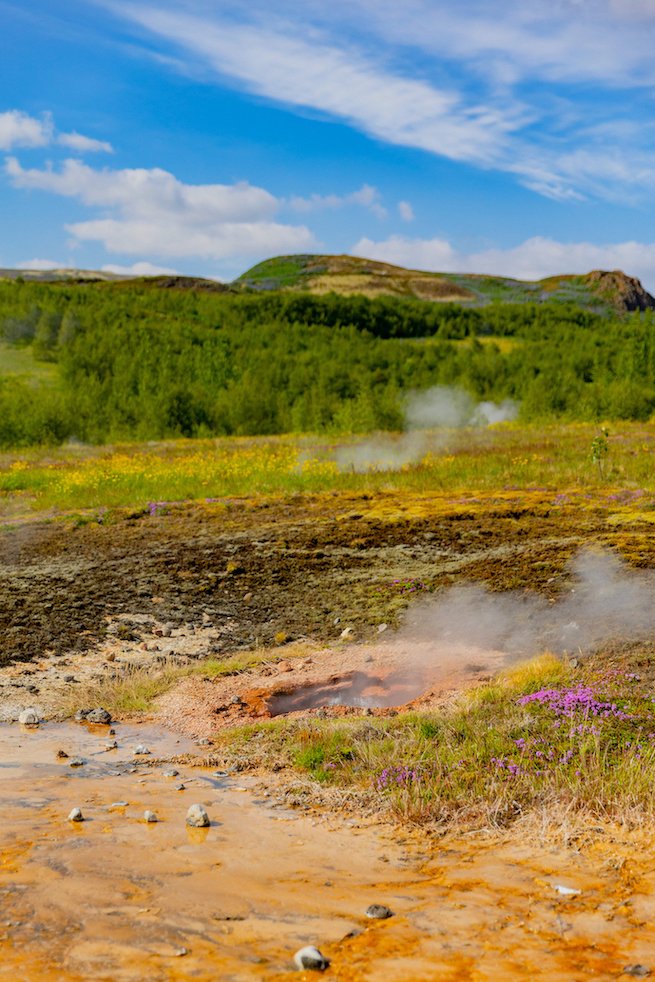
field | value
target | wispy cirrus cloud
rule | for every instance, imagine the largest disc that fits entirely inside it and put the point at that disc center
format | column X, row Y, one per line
column 153, row 213
column 534, row 89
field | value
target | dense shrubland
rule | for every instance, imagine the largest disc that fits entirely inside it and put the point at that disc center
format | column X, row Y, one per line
column 141, row 363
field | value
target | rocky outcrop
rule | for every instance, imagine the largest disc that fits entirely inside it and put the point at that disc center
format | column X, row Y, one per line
column 625, row 292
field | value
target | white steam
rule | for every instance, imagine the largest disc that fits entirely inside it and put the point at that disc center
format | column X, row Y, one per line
column 605, row 601
column 440, row 408
column 447, row 406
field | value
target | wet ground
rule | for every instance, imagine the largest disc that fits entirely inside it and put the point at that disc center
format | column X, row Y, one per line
column 116, row 899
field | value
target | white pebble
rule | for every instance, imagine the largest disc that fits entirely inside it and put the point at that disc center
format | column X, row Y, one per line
column 29, row 717
column 76, row 815
column 197, row 817
column 150, row 816
column 310, row 957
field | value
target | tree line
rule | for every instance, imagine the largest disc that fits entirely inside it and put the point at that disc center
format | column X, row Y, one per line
column 139, row 363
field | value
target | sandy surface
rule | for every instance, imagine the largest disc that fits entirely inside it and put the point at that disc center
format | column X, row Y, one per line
column 115, row 899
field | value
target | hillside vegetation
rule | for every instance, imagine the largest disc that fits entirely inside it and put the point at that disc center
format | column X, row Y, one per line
column 599, row 291
column 137, row 362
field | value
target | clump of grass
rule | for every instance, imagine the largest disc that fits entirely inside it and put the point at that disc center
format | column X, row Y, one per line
column 136, row 688
column 538, row 738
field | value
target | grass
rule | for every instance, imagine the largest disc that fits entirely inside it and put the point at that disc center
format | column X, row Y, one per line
column 137, row 688
column 539, row 738
column 551, row 463
column 20, row 362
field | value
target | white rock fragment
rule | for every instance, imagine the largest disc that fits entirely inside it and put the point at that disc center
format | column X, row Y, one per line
column 197, row 817
column 566, row 891
column 310, row 957
column 76, row 815
column 29, row 717
column 150, row 816
column 141, row 749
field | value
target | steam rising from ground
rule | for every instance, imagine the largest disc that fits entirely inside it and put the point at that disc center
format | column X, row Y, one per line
column 605, row 601
column 445, row 405
column 438, row 408
column 469, row 630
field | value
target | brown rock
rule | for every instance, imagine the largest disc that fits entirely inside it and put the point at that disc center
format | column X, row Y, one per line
column 284, row 666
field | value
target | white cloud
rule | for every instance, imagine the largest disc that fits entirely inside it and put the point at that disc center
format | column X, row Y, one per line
column 340, row 80
column 532, row 260
column 85, row 144
column 522, row 87
column 41, row 264
column 17, row 129
column 367, row 197
column 155, row 214
column 406, row 211
column 139, row 269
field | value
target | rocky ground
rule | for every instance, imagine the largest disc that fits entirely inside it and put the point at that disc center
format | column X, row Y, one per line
column 82, row 602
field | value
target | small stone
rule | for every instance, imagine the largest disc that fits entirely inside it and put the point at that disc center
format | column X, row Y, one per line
column 150, row 816
column 347, row 633
column 284, row 666
column 247, row 597
column 204, row 742
column 382, row 628
column 640, row 971
column 110, row 656
column 178, row 787
column 368, row 659
column 98, row 716
column 310, row 957
column 69, row 678
column 141, row 750
column 61, row 755
column 337, row 620
column 235, row 700
column 76, row 815
column 76, row 762
column 112, row 746
column 378, row 911
column 171, row 773
column 112, row 732
column 29, row 717
column 166, row 632
column 118, row 804
column 81, row 714
column 197, row 817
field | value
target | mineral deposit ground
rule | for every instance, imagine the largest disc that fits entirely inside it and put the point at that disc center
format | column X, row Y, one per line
column 300, row 608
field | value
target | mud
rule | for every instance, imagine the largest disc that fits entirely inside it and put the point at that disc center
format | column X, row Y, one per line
column 265, row 572
column 116, row 899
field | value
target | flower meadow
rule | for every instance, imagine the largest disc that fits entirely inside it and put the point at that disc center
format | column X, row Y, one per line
column 540, row 737
column 544, row 466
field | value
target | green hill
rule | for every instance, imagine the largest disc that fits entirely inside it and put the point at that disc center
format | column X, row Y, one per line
column 599, row 291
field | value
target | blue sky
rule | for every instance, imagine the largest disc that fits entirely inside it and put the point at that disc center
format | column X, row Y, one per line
column 515, row 138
